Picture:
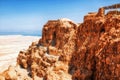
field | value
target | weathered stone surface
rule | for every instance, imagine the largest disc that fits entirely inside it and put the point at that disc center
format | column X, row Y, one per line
column 98, row 49
column 53, row 52
column 67, row 51
column 2, row 77
column 14, row 73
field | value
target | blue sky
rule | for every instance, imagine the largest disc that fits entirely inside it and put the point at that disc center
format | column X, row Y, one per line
column 29, row 16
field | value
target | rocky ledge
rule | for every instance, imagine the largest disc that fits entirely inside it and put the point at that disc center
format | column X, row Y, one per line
column 69, row 51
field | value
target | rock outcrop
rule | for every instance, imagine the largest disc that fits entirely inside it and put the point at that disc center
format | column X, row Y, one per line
column 49, row 58
column 98, row 49
column 68, row 51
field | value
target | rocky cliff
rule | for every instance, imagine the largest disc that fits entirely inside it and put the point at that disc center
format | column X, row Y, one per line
column 69, row 51
column 98, row 48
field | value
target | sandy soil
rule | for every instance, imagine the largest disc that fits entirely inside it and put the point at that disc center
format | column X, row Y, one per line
column 10, row 47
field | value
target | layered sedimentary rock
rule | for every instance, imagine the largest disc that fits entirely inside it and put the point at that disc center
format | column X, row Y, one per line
column 98, row 49
column 68, row 51
column 49, row 57
column 60, row 34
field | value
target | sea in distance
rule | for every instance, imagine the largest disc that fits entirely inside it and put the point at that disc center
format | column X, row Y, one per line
column 36, row 33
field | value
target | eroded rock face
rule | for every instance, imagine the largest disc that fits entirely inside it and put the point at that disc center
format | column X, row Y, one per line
column 49, row 57
column 15, row 73
column 67, row 51
column 98, row 49
column 60, row 34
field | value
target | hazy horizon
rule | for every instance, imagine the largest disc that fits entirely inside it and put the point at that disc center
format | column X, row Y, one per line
column 27, row 17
